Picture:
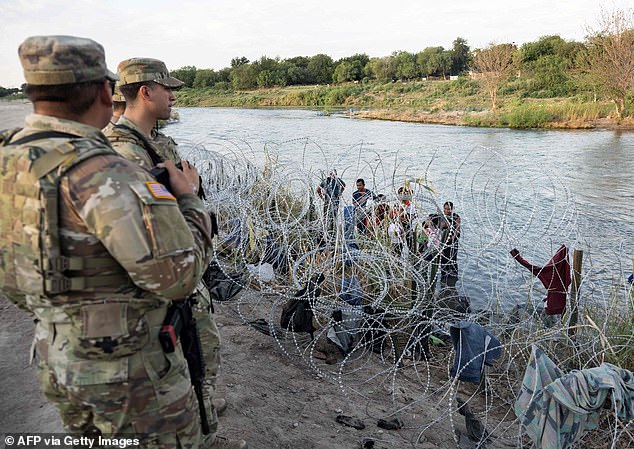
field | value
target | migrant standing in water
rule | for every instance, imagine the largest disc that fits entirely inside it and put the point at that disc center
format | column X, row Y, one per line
column 407, row 215
column 396, row 233
column 330, row 191
column 360, row 199
column 449, row 258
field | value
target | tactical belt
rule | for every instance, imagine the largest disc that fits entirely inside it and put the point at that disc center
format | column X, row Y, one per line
column 63, row 263
column 61, row 284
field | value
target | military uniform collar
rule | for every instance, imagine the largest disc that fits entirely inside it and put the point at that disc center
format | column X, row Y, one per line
column 123, row 120
column 38, row 122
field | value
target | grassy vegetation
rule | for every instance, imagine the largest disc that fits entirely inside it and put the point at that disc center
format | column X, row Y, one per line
column 460, row 102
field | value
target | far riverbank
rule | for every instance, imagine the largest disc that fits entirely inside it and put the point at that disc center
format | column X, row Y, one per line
column 514, row 113
column 456, row 103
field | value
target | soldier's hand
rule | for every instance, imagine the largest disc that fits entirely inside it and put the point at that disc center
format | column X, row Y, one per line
column 182, row 181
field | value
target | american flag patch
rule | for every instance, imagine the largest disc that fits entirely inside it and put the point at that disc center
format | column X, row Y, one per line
column 158, row 190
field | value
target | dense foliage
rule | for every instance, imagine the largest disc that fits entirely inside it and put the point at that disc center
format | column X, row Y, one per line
column 551, row 67
column 598, row 70
column 5, row 92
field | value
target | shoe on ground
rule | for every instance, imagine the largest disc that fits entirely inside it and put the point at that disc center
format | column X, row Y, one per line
column 224, row 443
column 220, row 405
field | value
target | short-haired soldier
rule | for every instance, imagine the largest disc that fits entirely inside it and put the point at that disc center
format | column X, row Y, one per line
column 95, row 249
column 148, row 87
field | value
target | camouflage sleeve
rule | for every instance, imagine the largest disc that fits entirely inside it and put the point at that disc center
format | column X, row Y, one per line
column 163, row 244
column 166, row 147
column 134, row 153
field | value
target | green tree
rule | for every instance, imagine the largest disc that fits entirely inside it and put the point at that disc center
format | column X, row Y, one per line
column 224, row 75
column 244, row 77
column 427, row 60
column 297, row 71
column 550, row 45
column 270, row 72
column 342, row 72
column 6, row 91
column 382, row 69
column 186, row 74
column 460, row 56
column 238, row 61
column 440, row 63
column 549, row 64
column 321, row 68
column 296, row 75
column 205, row 78
column 406, row 67
column 351, row 68
column 549, row 76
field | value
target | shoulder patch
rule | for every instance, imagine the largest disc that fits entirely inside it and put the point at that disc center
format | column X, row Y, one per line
column 158, row 190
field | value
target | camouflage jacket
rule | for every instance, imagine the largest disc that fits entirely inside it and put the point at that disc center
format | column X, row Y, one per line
column 109, row 206
column 129, row 145
column 165, row 146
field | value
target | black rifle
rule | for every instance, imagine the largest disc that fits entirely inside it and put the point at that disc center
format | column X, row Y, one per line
column 180, row 323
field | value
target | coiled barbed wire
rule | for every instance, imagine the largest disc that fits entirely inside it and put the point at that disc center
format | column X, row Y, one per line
column 400, row 353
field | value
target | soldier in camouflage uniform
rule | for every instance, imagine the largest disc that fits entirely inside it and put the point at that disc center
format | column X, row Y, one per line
column 118, row 108
column 95, row 249
column 147, row 88
column 166, row 146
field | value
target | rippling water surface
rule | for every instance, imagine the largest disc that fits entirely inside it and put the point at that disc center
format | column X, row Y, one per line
column 533, row 190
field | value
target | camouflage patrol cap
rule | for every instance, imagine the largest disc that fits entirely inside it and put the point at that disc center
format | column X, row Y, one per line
column 117, row 95
column 136, row 70
column 50, row 60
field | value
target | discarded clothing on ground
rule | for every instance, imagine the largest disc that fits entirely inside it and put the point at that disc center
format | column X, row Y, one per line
column 557, row 409
column 390, row 424
column 275, row 255
column 222, row 286
column 297, row 313
column 555, row 276
column 350, row 422
column 263, row 272
column 345, row 328
column 474, row 346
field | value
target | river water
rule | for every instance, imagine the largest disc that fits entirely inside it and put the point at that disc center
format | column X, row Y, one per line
column 533, row 190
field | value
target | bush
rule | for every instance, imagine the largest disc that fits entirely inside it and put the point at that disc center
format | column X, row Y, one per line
column 525, row 116
column 464, row 86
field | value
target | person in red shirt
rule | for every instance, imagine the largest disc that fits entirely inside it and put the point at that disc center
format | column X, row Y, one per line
column 555, row 276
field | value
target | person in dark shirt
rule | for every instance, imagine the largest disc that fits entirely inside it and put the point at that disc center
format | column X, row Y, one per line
column 449, row 258
column 330, row 191
column 360, row 199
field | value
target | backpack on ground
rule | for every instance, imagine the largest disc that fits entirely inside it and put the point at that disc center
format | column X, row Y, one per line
column 297, row 313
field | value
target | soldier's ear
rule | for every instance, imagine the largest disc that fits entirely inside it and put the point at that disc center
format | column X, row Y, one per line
column 145, row 91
